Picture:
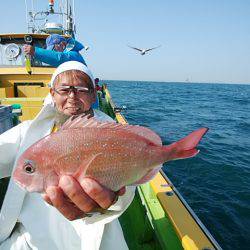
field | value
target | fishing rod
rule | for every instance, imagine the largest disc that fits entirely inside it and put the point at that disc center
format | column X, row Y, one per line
column 28, row 40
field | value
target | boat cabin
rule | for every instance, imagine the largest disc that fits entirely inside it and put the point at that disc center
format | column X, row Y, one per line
column 16, row 84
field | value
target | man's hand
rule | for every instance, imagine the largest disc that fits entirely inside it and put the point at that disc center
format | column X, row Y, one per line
column 74, row 199
column 29, row 50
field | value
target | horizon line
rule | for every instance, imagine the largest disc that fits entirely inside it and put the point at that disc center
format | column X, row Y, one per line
column 178, row 82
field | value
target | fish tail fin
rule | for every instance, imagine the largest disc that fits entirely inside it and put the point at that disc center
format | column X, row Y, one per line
column 186, row 147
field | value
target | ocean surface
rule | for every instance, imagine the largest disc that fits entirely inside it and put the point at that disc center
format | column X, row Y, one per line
column 216, row 183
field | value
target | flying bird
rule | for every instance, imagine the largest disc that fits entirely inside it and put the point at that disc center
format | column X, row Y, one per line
column 143, row 51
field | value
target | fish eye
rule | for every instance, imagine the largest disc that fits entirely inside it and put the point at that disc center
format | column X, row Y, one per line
column 29, row 169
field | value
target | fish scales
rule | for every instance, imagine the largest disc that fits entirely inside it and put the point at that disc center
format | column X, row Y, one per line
column 113, row 154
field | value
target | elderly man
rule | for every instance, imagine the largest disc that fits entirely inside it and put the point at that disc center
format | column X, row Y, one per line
column 58, row 50
column 27, row 221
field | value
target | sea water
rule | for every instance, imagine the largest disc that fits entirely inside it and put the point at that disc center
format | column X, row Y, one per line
column 215, row 183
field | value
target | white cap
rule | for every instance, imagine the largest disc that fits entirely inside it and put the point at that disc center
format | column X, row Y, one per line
column 71, row 65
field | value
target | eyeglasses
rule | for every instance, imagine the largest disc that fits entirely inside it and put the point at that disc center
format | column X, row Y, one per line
column 66, row 90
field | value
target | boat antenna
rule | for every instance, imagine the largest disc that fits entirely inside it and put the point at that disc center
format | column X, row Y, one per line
column 65, row 13
column 74, row 21
column 60, row 9
column 26, row 9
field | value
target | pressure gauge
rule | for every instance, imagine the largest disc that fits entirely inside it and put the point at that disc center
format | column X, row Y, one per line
column 12, row 51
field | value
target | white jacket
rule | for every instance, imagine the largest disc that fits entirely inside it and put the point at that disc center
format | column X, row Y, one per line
column 41, row 225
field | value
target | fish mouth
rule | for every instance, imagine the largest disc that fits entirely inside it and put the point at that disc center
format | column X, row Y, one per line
column 27, row 188
column 24, row 187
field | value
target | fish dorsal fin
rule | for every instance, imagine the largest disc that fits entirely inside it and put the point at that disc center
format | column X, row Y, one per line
column 83, row 121
column 79, row 121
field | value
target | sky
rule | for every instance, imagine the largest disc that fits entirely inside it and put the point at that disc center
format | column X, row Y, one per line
column 202, row 41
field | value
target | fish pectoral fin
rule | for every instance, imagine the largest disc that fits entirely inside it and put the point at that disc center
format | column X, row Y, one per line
column 81, row 172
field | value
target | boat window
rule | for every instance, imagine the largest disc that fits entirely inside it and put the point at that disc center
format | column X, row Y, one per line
column 11, row 53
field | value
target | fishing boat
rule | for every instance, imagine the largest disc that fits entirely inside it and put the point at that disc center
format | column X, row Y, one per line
column 159, row 217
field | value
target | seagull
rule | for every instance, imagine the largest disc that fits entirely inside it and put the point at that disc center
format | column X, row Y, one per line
column 143, row 51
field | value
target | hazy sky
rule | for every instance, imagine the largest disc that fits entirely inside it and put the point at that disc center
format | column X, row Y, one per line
column 204, row 41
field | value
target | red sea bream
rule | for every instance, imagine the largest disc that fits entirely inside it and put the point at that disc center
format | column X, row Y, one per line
column 115, row 155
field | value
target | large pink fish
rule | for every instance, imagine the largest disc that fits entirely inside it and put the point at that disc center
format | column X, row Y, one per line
column 115, row 155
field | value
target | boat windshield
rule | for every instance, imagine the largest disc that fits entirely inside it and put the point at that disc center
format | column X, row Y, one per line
column 12, row 55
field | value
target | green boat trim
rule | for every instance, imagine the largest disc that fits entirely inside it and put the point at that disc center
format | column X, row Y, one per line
column 159, row 217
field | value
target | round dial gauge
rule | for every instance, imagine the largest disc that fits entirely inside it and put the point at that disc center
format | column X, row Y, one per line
column 12, row 51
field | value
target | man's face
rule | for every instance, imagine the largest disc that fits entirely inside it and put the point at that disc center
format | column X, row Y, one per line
column 60, row 47
column 73, row 101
